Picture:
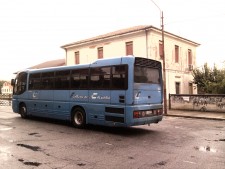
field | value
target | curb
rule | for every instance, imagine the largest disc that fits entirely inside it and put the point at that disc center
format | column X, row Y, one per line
column 194, row 117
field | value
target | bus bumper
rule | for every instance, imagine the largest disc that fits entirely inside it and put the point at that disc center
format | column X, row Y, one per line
column 146, row 120
column 14, row 106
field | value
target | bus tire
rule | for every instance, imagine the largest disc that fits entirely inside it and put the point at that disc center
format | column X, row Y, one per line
column 78, row 118
column 23, row 111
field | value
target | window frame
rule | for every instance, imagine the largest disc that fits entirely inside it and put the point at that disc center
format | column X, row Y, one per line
column 177, row 54
column 190, row 59
column 177, row 87
column 129, row 48
column 100, row 52
column 77, row 57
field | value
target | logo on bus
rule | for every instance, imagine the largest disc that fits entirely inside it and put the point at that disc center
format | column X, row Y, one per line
column 96, row 96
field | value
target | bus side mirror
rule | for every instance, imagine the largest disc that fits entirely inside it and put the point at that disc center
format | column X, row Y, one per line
column 12, row 82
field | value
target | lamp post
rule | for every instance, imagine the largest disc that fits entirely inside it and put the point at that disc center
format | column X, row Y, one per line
column 163, row 57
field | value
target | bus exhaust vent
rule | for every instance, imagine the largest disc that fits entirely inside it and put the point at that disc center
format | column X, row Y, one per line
column 147, row 62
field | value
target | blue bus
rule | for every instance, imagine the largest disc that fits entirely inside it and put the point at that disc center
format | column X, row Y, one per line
column 123, row 91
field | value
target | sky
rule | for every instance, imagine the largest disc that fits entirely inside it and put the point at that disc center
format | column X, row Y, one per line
column 32, row 31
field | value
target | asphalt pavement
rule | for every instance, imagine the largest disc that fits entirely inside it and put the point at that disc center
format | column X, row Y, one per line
column 174, row 143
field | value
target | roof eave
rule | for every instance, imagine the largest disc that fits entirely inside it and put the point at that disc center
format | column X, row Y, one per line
column 105, row 36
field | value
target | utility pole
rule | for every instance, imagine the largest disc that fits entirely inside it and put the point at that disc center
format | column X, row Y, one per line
column 163, row 57
column 164, row 67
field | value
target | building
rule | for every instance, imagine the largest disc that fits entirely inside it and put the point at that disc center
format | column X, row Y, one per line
column 142, row 41
column 51, row 63
column 6, row 88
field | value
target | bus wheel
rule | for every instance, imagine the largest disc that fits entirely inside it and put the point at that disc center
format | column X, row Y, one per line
column 23, row 111
column 78, row 118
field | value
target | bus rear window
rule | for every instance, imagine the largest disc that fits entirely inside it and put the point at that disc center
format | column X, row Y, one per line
column 146, row 75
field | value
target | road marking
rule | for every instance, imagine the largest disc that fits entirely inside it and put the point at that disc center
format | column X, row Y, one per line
column 191, row 162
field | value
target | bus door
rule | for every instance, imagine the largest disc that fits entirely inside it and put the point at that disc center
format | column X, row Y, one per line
column 34, row 93
column 33, row 96
column 41, row 94
column 40, row 102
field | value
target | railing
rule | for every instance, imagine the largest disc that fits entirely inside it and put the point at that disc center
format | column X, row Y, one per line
column 206, row 102
column 5, row 99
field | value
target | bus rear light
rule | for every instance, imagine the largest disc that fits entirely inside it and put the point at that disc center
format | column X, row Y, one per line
column 140, row 114
column 157, row 111
column 143, row 113
column 154, row 112
column 148, row 113
column 136, row 114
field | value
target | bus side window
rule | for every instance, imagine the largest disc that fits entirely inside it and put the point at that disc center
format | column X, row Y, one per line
column 100, row 78
column 34, row 81
column 47, row 80
column 105, row 83
column 79, row 79
column 84, row 74
column 62, row 80
column 120, row 77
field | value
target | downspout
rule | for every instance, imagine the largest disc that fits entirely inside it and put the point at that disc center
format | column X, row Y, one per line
column 66, row 57
column 146, row 41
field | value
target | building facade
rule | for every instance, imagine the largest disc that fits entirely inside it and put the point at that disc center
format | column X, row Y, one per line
column 142, row 41
column 6, row 88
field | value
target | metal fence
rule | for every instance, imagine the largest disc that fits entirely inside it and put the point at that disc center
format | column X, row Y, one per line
column 196, row 102
column 206, row 102
column 5, row 99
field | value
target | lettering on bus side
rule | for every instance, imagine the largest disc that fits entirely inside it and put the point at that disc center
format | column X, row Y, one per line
column 77, row 96
column 94, row 96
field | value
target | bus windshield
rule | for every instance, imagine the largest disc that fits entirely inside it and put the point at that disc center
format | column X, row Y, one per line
column 146, row 75
column 20, row 83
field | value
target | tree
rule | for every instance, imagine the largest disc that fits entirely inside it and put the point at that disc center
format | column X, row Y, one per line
column 211, row 81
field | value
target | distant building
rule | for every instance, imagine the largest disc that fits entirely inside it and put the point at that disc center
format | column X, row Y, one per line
column 51, row 63
column 6, row 88
column 142, row 41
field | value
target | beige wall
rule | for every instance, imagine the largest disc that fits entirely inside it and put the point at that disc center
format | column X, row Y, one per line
column 144, row 46
column 114, row 47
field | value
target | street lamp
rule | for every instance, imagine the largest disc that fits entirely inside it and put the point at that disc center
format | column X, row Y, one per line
column 163, row 57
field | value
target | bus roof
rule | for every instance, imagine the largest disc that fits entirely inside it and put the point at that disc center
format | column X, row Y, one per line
column 98, row 62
